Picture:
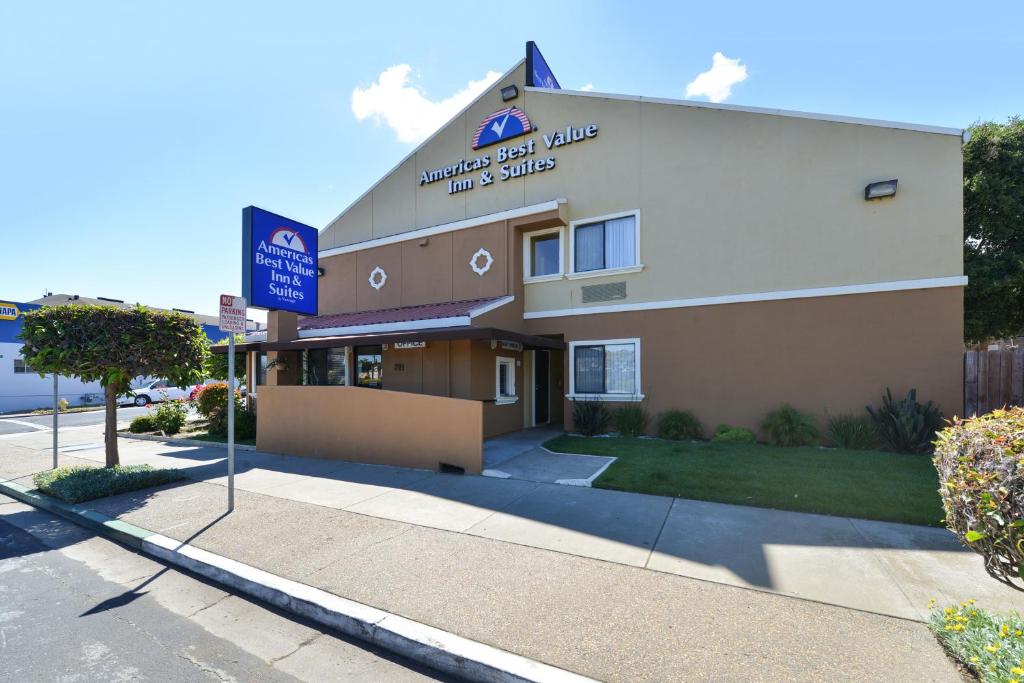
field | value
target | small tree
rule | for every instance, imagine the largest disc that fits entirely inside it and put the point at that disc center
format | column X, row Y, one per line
column 113, row 346
column 217, row 363
column 994, row 230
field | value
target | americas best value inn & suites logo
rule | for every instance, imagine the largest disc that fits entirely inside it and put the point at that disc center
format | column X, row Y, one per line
column 516, row 161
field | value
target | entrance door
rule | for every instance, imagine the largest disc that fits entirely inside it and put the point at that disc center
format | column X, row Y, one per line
column 369, row 368
column 541, row 387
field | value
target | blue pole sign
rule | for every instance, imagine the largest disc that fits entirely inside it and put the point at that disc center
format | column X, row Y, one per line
column 279, row 262
column 538, row 73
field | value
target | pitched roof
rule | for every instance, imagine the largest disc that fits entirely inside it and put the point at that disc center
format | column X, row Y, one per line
column 425, row 312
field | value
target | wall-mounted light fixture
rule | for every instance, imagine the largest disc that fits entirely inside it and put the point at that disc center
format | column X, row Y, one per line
column 509, row 92
column 884, row 188
column 320, row 272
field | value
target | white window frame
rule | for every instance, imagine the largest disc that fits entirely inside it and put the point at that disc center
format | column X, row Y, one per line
column 635, row 268
column 510, row 363
column 528, row 255
column 619, row 398
column 25, row 369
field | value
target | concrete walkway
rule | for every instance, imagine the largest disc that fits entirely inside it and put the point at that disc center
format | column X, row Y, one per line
column 886, row 568
column 520, row 455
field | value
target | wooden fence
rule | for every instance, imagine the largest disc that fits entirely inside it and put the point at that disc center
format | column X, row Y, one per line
column 993, row 379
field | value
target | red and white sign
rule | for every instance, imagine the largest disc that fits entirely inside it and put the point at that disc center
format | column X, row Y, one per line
column 232, row 313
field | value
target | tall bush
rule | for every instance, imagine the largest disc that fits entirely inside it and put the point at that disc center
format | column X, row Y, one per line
column 787, row 426
column 679, row 424
column 631, row 420
column 590, row 417
column 980, row 462
column 855, row 432
column 905, row 425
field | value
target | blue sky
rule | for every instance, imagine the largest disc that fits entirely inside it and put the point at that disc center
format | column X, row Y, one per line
column 132, row 134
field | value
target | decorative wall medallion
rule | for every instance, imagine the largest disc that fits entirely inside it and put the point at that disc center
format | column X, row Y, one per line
column 474, row 262
column 377, row 278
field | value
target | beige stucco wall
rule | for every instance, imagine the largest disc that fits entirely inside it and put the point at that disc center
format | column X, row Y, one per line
column 731, row 202
column 825, row 356
column 371, row 426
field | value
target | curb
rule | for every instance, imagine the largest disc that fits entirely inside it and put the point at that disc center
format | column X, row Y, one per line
column 184, row 442
column 440, row 650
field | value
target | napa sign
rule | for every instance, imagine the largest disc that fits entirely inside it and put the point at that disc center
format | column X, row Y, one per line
column 279, row 262
column 507, row 161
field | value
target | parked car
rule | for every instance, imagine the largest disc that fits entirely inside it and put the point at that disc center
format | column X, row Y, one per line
column 156, row 391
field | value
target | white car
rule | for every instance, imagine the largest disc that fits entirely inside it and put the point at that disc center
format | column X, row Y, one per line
column 157, row 391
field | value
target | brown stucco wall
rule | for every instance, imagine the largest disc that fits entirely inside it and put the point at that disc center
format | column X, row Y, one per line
column 371, row 426
column 733, row 363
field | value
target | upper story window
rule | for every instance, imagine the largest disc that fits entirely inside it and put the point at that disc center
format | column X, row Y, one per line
column 609, row 243
column 20, row 367
column 542, row 255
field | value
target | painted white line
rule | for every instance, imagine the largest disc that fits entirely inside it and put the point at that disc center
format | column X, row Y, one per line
column 25, row 423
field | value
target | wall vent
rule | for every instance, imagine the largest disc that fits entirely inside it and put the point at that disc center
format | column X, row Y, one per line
column 609, row 291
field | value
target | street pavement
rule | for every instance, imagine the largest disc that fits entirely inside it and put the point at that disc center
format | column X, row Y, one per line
column 29, row 423
column 77, row 607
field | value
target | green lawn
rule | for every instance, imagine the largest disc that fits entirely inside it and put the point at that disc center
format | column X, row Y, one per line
column 866, row 484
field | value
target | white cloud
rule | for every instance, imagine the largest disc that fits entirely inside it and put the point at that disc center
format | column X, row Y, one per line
column 406, row 109
column 716, row 83
column 588, row 87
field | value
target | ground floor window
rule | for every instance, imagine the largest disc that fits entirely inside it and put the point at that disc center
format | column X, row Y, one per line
column 325, row 366
column 605, row 369
column 261, row 368
column 505, row 380
column 369, row 367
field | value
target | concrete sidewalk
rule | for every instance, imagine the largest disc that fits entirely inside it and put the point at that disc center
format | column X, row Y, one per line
column 599, row 582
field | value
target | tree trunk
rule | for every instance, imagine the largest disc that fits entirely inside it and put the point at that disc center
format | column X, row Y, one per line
column 110, row 426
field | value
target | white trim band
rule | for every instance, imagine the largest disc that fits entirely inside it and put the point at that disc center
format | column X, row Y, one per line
column 877, row 123
column 406, row 325
column 551, row 205
column 870, row 288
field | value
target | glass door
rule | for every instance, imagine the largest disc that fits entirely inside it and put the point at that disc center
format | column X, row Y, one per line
column 369, row 367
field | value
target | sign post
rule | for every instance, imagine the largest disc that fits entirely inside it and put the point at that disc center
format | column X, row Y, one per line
column 232, row 321
column 56, row 409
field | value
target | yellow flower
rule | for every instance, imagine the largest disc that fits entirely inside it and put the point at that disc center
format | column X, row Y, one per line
column 1017, row 671
column 1004, row 631
column 994, row 647
column 931, row 603
column 1018, row 633
column 949, row 610
column 974, row 660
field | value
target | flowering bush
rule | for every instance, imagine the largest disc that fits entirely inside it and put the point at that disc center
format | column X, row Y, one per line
column 990, row 645
column 170, row 416
column 981, row 471
column 211, row 397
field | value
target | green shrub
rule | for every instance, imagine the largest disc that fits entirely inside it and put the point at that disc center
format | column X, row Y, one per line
column 787, row 426
column 211, row 397
column 590, row 417
column 679, row 424
column 245, row 424
column 170, row 416
column 990, row 646
column 852, row 431
column 728, row 434
column 143, row 423
column 979, row 465
column 631, row 420
column 80, row 483
column 907, row 426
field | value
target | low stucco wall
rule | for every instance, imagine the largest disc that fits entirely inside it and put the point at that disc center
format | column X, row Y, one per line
column 371, row 426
